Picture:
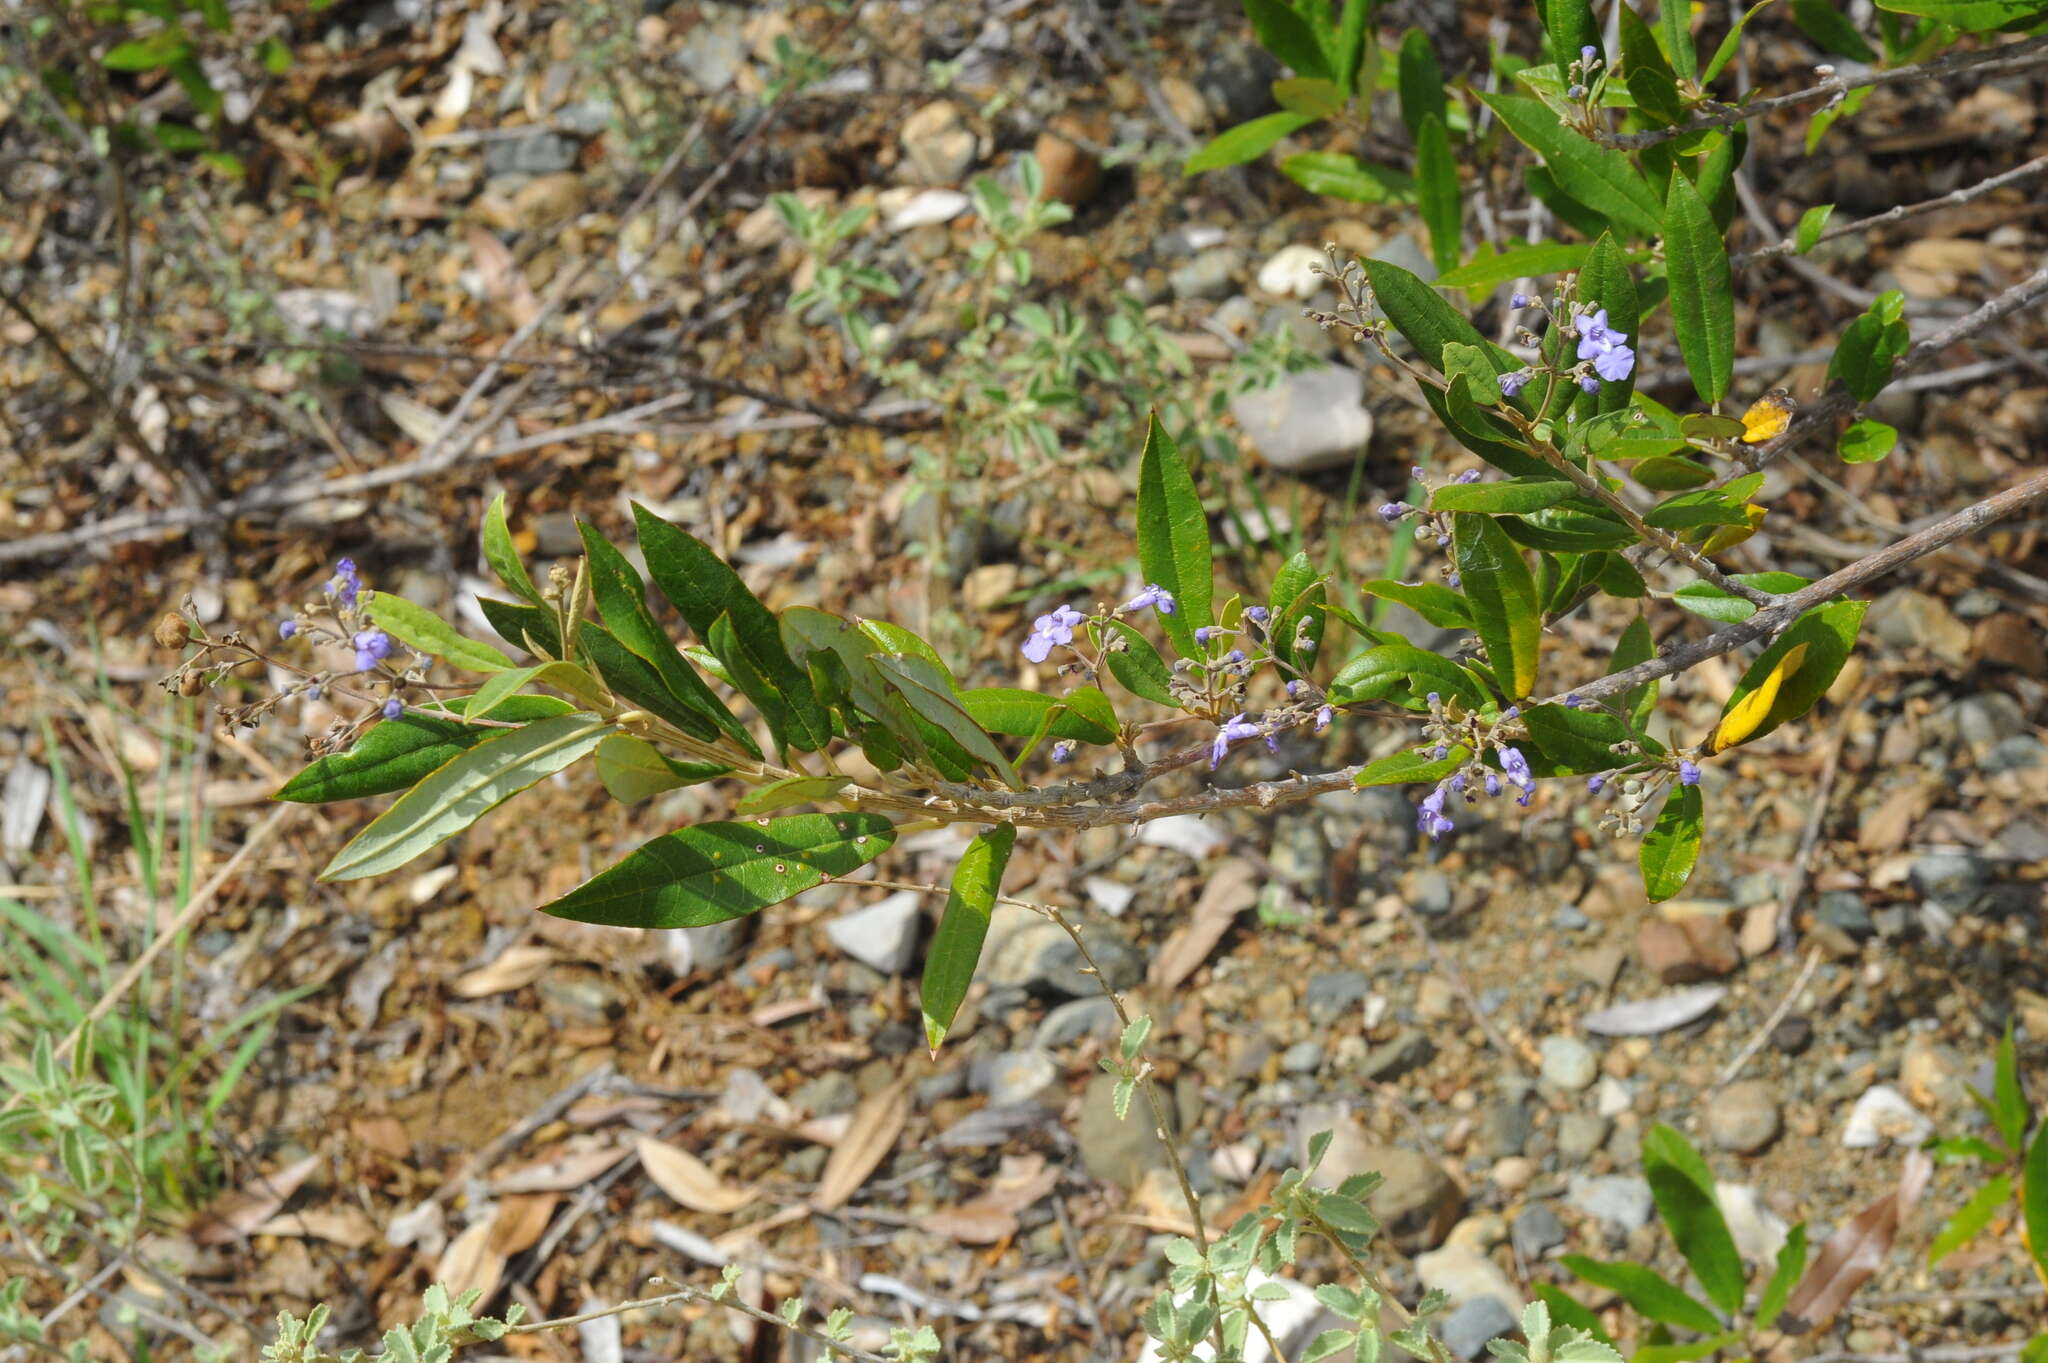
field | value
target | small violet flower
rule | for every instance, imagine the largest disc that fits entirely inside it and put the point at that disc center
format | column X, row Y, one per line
column 393, row 708
column 1430, row 817
column 1468, row 476
column 1519, row 300
column 1492, row 782
column 1063, row 750
column 1258, row 615
column 1572, row 701
column 1293, row 689
column 1576, row 92
column 1392, row 511
column 372, row 647
column 1590, row 384
column 1153, row 595
column 1593, row 784
column 1235, row 729
column 345, row 583
column 1515, row 380
column 1600, row 343
column 1048, row 630
column 287, row 629
column 1236, row 655
column 1323, row 717
column 1588, row 54
column 1688, row 773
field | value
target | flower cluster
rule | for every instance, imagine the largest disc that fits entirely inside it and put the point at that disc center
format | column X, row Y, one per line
column 1601, row 344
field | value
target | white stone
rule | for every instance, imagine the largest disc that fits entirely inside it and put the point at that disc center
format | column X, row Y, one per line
column 1309, row 421
column 927, row 207
column 1188, row 834
column 1612, row 1097
column 1111, row 896
column 1464, row 1274
column 1883, row 1114
column 882, row 936
column 1291, row 272
column 1758, row 1234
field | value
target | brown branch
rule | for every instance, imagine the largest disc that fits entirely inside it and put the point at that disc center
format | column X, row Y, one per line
column 1953, row 199
column 1990, row 61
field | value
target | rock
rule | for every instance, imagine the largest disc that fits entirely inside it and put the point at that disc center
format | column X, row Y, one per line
column 985, row 587
column 1303, row 1057
column 1512, row 1173
column 1536, row 1232
column 1883, row 1114
column 883, row 935
column 1503, row 1129
column 1416, row 1201
column 1463, row 1273
column 711, row 55
column 1237, row 80
column 1954, row 880
column 548, row 201
column 688, row 950
column 1186, row 102
column 1580, row 1136
column 1696, row 947
column 1309, row 421
column 1435, row 999
column 1758, row 1234
column 1331, row 995
column 1744, row 1117
column 1404, row 252
column 1468, row 1328
column 1934, row 1076
column 1392, row 1058
column 1037, row 955
column 828, row 1094
column 1428, row 892
column 1612, row 1098
column 2007, row 640
column 1118, row 1150
column 1292, row 272
column 938, row 143
column 1078, row 1018
column 1072, row 173
column 540, row 152
column 1905, row 618
column 924, row 208
column 1015, row 1076
column 1212, row 274
column 1617, row 1199
column 1569, row 1063
column 1845, row 911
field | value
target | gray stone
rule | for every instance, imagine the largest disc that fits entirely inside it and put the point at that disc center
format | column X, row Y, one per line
column 1953, row 880
column 2024, row 753
column 1309, row 421
column 1537, row 1231
column 1014, row 1076
column 828, row 1094
column 1116, row 1149
column 1987, row 718
column 1416, row 1200
column 1041, row 958
column 1845, row 909
column 1614, row 1198
column 1303, row 1057
column 540, row 153
column 1394, row 1057
column 883, row 935
column 1744, row 1117
column 1428, row 892
column 687, row 950
column 1569, row 1063
column 939, row 145
column 1571, row 918
column 1077, row 1018
column 1298, row 851
column 1503, row 1129
column 1404, row 252
column 711, row 55
column 1335, row 993
column 1580, row 1135
column 1238, row 80
column 1467, row 1328
column 1212, row 274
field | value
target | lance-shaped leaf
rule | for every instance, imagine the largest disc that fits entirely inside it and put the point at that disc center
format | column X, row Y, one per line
column 498, row 688
column 1635, row 646
column 1871, row 346
column 1569, row 528
column 1420, row 80
column 1572, row 742
column 1436, row 187
column 396, row 754
column 791, row 790
column 633, row 769
column 1546, row 257
column 1828, row 635
column 1404, row 768
column 1570, row 26
column 1647, row 1290
column 1702, row 290
column 956, row 946
column 633, row 679
column 1173, row 538
column 1406, row 675
column 702, row 586
column 1297, row 596
column 1083, row 714
column 1505, row 612
column 2034, row 1200
column 1245, row 142
column 1672, row 846
column 1432, row 601
column 430, row 634
column 1743, row 716
column 1607, row 282
column 1512, row 498
column 1287, row 35
column 1785, row 1273
column 1970, row 1218
column 1684, row 1191
column 1138, row 666
column 527, row 627
column 710, row 872
column 503, row 555
column 457, row 794
column 1596, row 176
column 1674, row 27
column 929, row 693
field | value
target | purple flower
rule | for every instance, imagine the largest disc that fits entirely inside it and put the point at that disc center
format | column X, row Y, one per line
column 1258, row 615
column 1418, row 475
column 345, row 583
column 1235, row 729
column 1434, row 698
column 1588, row 53
column 1457, row 783
column 1392, row 511
column 1457, row 581
column 1063, row 750
column 1688, row 773
column 1468, row 476
column 1576, row 92
column 313, row 691
column 1512, row 712
column 1515, row 380
column 1517, row 767
column 1153, row 595
column 372, row 647
column 1236, row 655
column 1616, row 364
column 1519, row 300
column 1593, row 784
column 1439, row 752
column 1443, row 541
column 1048, row 630
column 1430, row 817
column 1572, row 701
column 287, row 629
column 1204, row 633
column 1293, row 689
column 1594, row 334
column 1323, row 717
column 393, row 708
column 1492, row 782
column 1590, row 384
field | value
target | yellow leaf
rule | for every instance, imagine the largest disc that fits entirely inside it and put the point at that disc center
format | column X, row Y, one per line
column 1743, row 717
column 1768, row 417
column 1726, row 537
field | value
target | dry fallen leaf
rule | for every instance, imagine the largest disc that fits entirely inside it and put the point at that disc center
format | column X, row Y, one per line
column 472, row 1262
column 1648, row 1017
column 238, row 1211
column 515, row 968
column 1020, row 1181
column 1886, row 826
column 521, row 1221
column 349, row 1227
column 1854, row 1252
column 972, row 1223
column 689, row 1180
column 562, row 1173
column 1232, row 889
column 877, row 1122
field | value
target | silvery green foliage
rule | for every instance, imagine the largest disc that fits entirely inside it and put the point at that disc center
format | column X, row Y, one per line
column 445, row 1325
column 1547, row 1345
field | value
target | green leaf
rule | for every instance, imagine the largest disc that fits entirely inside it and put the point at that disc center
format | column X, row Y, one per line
column 1511, row 498
column 1420, row 81
column 1379, row 673
column 1866, row 442
column 1482, row 385
column 1607, row 282
column 503, row 555
column 1505, row 611
column 633, row 769
column 1596, row 176
column 791, row 790
column 1343, row 176
column 1830, row 31
column 1296, row 595
column 1702, row 291
column 1635, row 646
column 1287, row 36
column 1435, row 603
column 1687, row 1350
column 622, row 604
column 1705, row 599
column 711, row 872
column 1726, row 51
column 1310, row 95
column 396, row 754
column 1670, row 851
column 499, row 687
column 1655, row 94
column 1965, row 1149
column 1812, row 223
column 2034, row 1350
column 1970, row 1218
column 1671, row 473
column 1138, row 666
column 1829, row 634
column 527, row 627
column 929, row 692
column 1429, row 323
column 2008, row 1110
column 1545, row 257
column 1650, row 1293
column 1406, row 768
column 1674, row 26
column 457, row 794
column 428, row 633
column 1683, row 1187
column 147, row 54
column 1691, row 510
column 956, row 946
column 1568, row 1311
column 1572, row 528
column 1083, row 714
column 1785, row 1275
column 1353, row 48
column 702, row 587
column 1570, row 26
column 1245, row 142
column 2034, row 1199
column 1572, row 742
column 1438, row 192
column 634, row 680
column 1871, row 346
column 1173, row 538
column 1971, row 16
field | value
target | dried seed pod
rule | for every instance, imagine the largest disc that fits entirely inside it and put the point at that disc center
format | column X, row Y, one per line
column 191, row 684
column 171, row 631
